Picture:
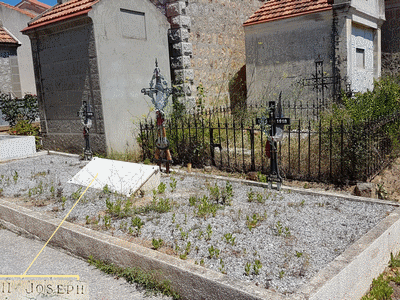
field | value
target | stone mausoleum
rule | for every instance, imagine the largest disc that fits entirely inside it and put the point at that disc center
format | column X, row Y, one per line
column 285, row 38
column 103, row 52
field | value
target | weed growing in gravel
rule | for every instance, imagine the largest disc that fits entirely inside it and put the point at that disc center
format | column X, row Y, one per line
column 150, row 280
column 257, row 266
column 52, row 191
column 192, row 201
column 184, row 235
column 172, row 184
column 251, row 223
column 260, row 198
column 202, row 262
column 229, row 238
column 160, row 206
column 200, row 234
column 15, row 177
column 173, row 218
column 299, row 254
column 128, row 206
column 107, row 222
column 137, row 223
column 287, row 232
column 214, row 192
column 213, row 252
column 250, row 196
column 247, row 268
column 157, row 243
column 222, row 267
column 161, row 188
column 209, row 232
column 115, row 209
column 223, row 195
column 75, row 195
column 279, row 228
column 281, row 273
column 106, row 189
column 123, row 226
column 63, row 201
column 205, row 208
column 187, row 251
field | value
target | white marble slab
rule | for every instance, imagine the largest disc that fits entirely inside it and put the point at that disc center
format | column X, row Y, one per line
column 121, row 177
column 16, row 146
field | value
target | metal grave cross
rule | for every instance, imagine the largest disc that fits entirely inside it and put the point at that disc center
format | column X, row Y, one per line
column 273, row 127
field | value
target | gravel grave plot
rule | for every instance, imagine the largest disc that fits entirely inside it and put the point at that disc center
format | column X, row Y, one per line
column 277, row 240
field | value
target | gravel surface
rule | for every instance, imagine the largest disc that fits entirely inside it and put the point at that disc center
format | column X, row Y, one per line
column 279, row 240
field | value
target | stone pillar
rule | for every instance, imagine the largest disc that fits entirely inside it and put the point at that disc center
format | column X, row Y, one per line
column 181, row 51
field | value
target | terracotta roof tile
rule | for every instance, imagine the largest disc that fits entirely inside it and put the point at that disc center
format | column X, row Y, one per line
column 61, row 12
column 6, row 38
column 280, row 9
column 18, row 9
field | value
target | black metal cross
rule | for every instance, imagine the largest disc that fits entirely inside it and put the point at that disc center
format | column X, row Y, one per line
column 274, row 123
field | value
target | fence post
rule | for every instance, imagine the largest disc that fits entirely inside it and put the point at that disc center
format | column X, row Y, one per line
column 253, row 164
column 212, row 144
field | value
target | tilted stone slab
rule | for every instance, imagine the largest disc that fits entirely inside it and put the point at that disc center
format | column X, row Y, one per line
column 119, row 176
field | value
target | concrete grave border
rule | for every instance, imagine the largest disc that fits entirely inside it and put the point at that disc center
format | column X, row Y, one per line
column 347, row 277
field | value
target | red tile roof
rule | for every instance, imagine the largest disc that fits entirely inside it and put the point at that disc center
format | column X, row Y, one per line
column 281, row 9
column 6, row 38
column 60, row 12
column 18, row 9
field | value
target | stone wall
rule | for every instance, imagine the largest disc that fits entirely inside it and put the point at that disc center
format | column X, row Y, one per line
column 67, row 74
column 211, row 37
column 391, row 38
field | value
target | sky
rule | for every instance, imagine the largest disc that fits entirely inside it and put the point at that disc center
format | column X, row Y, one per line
column 14, row 2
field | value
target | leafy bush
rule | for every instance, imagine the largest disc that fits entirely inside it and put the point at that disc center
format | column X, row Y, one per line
column 19, row 109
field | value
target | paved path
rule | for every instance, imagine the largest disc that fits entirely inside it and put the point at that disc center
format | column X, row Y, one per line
column 17, row 253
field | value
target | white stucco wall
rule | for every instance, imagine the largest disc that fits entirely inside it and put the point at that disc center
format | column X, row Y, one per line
column 126, row 58
column 362, row 78
column 15, row 21
column 281, row 52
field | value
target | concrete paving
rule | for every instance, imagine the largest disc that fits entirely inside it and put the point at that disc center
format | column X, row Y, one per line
column 17, row 253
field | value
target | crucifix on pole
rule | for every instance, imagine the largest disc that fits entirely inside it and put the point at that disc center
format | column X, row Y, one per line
column 272, row 124
column 159, row 97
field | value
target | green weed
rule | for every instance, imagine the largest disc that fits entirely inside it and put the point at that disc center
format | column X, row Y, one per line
column 161, row 188
column 213, row 252
column 157, row 243
column 15, row 177
column 172, row 184
column 75, row 195
column 150, row 280
column 247, row 268
column 257, row 266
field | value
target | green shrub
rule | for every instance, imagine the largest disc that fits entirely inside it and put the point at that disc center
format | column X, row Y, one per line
column 19, row 109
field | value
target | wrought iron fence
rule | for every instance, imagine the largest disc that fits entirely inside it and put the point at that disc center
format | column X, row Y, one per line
column 310, row 150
